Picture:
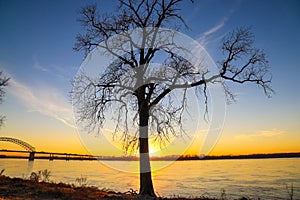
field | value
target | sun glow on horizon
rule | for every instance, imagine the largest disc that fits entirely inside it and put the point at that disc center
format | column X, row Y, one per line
column 154, row 149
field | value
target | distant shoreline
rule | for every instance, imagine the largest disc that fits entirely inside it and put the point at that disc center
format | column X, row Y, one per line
column 167, row 158
column 249, row 156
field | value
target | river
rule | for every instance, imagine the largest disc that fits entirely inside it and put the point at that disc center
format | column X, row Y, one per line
column 254, row 178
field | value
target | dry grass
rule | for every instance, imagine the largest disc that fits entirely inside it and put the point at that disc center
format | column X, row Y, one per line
column 17, row 188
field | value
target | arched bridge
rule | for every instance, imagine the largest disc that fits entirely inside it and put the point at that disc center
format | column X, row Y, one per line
column 21, row 143
column 31, row 150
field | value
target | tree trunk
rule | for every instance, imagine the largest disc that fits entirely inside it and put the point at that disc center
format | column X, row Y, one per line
column 146, row 185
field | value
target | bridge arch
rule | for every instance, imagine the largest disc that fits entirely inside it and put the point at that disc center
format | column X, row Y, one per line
column 21, row 143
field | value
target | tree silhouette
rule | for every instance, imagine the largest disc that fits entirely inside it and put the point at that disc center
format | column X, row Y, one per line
column 3, row 82
column 140, row 93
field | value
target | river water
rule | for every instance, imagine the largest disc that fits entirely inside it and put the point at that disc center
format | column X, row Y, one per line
column 254, row 178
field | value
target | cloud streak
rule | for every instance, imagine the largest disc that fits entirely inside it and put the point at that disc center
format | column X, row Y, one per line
column 261, row 134
column 203, row 39
column 61, row 72
column 45, row 100
column 38, row 66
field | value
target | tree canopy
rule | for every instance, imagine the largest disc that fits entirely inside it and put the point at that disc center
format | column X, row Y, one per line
column 141, row 93
column 3, row 83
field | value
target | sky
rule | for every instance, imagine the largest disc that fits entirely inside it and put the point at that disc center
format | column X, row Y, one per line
column 36, row 41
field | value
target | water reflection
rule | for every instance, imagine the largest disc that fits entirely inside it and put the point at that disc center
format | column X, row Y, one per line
column 30, row 166
column 262, row 178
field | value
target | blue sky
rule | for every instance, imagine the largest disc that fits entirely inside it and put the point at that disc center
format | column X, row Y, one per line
column 36, row 41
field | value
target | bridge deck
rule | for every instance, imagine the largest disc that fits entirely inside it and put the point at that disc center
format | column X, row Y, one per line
column 48, row 155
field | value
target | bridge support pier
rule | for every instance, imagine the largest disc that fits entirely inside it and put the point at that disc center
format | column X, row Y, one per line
column 51, row 156
column 31, row 156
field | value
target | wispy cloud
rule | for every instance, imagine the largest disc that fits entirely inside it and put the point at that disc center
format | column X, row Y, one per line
column 44, row 99
column 203, row 39
column 215, row 28
column 261, row 134
column 61, row 72
column 38, row 66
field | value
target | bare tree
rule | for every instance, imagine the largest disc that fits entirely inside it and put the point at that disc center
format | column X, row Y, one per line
column 3, row 82
column 132, row 85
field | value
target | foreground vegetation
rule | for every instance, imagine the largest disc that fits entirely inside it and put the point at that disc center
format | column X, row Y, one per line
column 38, row 186
column 17, row 188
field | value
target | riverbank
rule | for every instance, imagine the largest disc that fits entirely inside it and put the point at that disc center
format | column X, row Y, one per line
column 17, row 188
